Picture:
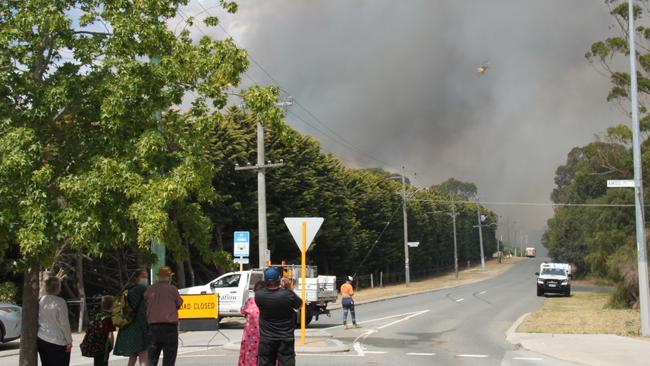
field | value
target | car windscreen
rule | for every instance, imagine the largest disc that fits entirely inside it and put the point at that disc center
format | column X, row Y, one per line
column 553, row 272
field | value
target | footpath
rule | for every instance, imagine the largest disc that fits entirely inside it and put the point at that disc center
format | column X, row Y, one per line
column 583, row 349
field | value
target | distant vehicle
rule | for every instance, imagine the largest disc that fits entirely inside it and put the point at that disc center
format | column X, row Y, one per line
column 235, row 288
column 530, row 252
column 483, row 68
column 553, row 278
column 10, row 322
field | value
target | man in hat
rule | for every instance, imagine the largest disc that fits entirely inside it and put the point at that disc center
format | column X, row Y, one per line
column 163, row 302
column 347, row 302
column 278, row 308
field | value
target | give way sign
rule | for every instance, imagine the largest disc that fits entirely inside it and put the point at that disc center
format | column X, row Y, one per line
column 295, row 225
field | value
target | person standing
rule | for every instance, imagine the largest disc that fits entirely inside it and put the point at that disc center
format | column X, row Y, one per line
column 107, row 328
column 163, row 302
column 250, row 339
column 347, row 302
column 278, row 308
column 54, row 341
column 131, row 340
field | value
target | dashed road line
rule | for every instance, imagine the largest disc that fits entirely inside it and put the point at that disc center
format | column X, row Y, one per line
column 528, row 358
column 472, row 356
column 420, row 354
column 459, row 300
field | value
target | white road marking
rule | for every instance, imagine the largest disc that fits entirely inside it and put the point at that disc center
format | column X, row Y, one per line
column 528, row 358
column 420, row 354
column 403, row 319
column 459, row 300
column 374, row 320
column 482, row 293
column 376, row 352
column 357, row 347
column 472, row 356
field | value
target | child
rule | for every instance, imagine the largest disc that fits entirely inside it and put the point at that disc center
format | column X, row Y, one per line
column 107, row 327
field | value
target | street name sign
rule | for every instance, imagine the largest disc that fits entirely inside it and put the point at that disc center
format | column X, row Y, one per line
column 295, row 224
column 620, row 183
column 242, row 244
column 242, row 260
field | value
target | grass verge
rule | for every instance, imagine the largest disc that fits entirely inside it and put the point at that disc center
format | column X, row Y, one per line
column 582, row 313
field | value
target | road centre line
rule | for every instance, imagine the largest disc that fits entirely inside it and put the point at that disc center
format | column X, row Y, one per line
column 472, row 356
column 459, row 300
column 528, row 358
column 482, row 293
column 420, row 354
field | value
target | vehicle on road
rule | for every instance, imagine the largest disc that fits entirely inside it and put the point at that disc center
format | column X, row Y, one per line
column 10, row 322
column 530, row 252
column 553, row 278
column 234, row 288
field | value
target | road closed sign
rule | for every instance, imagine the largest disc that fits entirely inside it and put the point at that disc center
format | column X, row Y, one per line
column 205, row 306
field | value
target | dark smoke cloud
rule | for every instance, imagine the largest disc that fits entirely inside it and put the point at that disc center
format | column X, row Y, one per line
column 396, row 79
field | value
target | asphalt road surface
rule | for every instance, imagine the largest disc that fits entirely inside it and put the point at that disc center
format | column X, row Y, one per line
column 461, row 326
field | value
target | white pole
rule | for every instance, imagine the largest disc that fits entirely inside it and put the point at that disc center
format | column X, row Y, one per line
column 407, row 274
column 480, row 234
column 644, row 288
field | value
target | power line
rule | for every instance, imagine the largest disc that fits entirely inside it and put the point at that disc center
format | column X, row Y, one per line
column 343, row 140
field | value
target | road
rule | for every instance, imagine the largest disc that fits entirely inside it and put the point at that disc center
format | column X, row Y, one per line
column 460, row 326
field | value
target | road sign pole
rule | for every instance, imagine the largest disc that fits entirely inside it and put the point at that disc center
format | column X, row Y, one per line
column 480, row 234
column 303, row 269
column 642, row 249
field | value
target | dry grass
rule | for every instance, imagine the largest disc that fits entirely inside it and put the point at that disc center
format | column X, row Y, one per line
column 492, row 269
column 582, row 313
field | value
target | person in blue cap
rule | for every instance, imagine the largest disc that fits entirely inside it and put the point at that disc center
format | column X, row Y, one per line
column 278, row 308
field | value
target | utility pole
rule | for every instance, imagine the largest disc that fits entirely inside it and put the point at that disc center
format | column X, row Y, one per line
column 453, row 220
column 642, row 248
column 407, row 272
column 480, row 234
column 498, row 249
column 260, row 168
column 157, row 246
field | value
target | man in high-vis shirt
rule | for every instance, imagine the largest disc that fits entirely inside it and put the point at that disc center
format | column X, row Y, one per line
column 348, row 303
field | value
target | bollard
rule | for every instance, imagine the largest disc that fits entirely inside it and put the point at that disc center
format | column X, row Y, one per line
column 372, row 282
column 468, row 265
column 381, row 279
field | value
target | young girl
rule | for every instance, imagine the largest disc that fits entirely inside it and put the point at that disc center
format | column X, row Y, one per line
column 251, row 337
column 107, row 327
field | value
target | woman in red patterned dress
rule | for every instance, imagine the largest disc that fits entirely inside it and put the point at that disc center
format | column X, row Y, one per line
column 251, row 337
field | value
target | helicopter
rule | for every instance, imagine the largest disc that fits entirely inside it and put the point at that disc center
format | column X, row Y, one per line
column 483, row 68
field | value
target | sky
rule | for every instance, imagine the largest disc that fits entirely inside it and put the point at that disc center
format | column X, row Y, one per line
column 393, row 83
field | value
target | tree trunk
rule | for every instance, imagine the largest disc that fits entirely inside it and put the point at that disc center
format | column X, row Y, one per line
column 83, row 313
column 180, row 274
column 219, row 237
column 190, row 269
column 28, row 351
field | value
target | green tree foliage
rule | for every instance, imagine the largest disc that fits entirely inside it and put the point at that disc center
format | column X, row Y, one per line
column 600, row 240
column 456, row 187
column 85, row 162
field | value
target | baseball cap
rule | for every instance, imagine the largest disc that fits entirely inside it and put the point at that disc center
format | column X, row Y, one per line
column 271, row 274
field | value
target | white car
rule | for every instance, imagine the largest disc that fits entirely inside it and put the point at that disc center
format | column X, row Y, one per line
column 10, row 323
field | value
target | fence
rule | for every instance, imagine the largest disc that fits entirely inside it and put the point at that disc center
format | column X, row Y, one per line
column 380, row 278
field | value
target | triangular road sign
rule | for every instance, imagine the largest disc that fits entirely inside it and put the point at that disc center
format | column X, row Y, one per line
column 295, row 228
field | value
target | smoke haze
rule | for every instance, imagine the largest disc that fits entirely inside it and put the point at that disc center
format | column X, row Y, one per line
column 397, row 80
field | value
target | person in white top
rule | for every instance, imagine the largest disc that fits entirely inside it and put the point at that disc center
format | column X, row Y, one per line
column 54, row 335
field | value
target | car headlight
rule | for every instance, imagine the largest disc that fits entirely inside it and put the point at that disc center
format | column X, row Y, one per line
column 564, row 283
column 541, row 282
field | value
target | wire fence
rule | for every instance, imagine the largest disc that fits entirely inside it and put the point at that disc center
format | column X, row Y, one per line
column 381, row 278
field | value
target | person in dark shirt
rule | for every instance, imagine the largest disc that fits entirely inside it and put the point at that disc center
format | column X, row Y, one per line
column 278, row 308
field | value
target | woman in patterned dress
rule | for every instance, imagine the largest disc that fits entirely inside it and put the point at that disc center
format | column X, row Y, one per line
column 251, row 337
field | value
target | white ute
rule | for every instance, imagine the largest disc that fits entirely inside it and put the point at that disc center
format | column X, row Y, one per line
column 234, row 288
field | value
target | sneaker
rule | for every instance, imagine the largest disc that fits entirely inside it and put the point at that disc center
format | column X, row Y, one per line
column 345, row 326
column 356, row 325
